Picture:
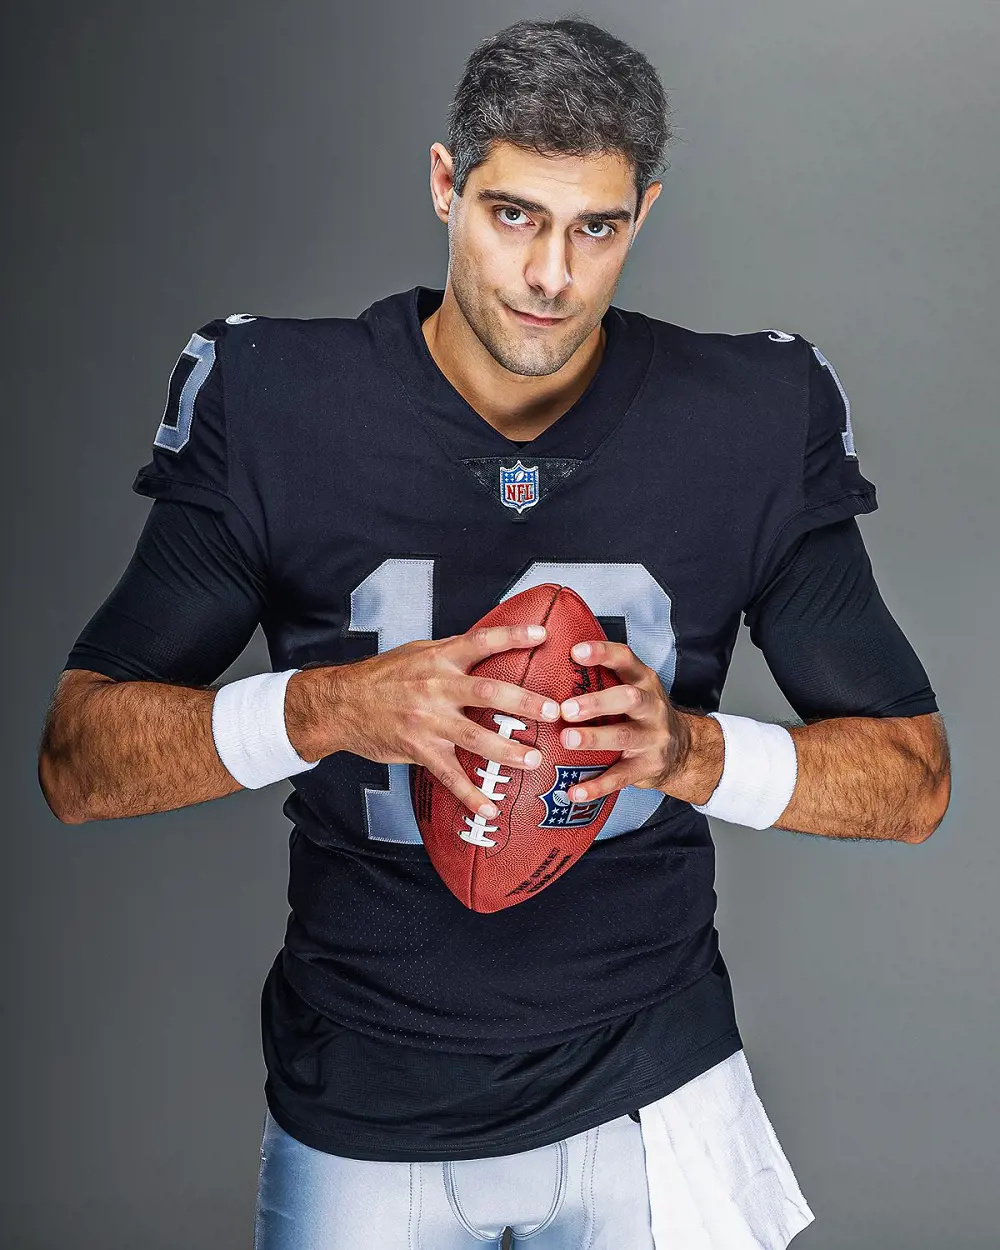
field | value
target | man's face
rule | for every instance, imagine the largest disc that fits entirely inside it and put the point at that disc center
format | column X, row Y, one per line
column 540, row 235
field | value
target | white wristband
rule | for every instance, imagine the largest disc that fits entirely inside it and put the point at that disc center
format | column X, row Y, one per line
column 758, row 773
column 248, row 725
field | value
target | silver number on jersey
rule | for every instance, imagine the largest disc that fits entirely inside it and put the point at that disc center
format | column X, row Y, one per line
column 847, row 434
column 395, row 602
column 172, row 435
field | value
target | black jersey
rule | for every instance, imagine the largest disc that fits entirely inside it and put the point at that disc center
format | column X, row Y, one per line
column 183, row 610
column 382, row 508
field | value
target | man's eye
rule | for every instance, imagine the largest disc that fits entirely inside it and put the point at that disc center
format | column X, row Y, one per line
column 600, row 225
column 508, row 209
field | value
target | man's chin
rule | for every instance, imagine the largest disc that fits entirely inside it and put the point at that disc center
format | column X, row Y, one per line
column 524, row 357
column 526, row 365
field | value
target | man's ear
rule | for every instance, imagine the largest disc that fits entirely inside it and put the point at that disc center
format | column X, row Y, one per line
column 442, row 186
column 648, row 200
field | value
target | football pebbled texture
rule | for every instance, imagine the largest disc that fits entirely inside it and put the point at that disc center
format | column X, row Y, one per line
column 491, row 864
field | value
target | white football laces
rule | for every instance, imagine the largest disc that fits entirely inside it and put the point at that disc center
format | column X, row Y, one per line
column 492, row 776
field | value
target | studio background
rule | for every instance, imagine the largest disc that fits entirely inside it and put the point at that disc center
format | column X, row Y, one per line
column 837, row 176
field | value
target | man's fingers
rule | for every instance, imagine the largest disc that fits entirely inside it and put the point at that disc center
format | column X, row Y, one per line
column 493, row 746
column 631, row 700
column 505, row 696
column 452, row 776
column 477, row 644
column 617, row 777
column 616, row 655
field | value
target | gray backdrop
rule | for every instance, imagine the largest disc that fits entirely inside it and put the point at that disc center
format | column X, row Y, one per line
column 167, row 164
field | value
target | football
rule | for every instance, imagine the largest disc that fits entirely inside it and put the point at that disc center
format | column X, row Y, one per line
column 491, row 864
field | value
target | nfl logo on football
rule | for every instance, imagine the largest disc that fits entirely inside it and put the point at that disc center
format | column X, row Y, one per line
column 560, row 810
column 519, row 486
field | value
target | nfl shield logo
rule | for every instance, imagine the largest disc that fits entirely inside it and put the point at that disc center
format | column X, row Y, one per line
column 560, row 810
column 519, row 486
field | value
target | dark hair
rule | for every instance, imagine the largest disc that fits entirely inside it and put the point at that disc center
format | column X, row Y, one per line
column 560, row 87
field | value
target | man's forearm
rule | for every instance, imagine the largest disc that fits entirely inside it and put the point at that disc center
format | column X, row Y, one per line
column 870, row 777
column 127, row 748
column 858, row 776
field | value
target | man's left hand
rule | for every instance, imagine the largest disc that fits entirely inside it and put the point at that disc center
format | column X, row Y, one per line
column 662, row 747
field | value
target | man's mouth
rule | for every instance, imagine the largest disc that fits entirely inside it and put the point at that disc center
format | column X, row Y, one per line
column 530, row 319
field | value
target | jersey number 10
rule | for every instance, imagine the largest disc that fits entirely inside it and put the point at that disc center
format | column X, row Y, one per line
column 396, row 600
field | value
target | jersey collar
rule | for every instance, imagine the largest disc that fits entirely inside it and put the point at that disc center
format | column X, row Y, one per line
column 576, row 434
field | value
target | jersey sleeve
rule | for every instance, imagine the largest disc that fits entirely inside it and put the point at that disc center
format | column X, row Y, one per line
column 193, row 452
column 184, row 608
column 833, row 486
column 829, row 640
column 829, row 485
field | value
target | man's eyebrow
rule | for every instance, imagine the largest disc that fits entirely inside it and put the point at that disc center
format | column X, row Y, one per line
column 493, row 195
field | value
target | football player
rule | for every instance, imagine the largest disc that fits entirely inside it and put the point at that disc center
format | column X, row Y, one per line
column 568, row 1069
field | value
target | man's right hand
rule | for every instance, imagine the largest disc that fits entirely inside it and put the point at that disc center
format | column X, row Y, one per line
column 405, row 706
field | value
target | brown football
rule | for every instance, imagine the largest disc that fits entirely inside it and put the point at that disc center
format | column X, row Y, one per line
column 540, row 832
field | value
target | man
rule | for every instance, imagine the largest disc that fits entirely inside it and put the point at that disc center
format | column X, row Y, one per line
column 569, row 1068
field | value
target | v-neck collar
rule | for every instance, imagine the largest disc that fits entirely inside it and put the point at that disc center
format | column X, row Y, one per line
column 575, row 434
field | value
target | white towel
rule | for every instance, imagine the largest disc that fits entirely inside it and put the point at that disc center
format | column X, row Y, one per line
column 717, row 1176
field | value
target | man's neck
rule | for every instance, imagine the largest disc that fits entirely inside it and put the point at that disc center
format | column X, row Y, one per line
column 519, row 407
